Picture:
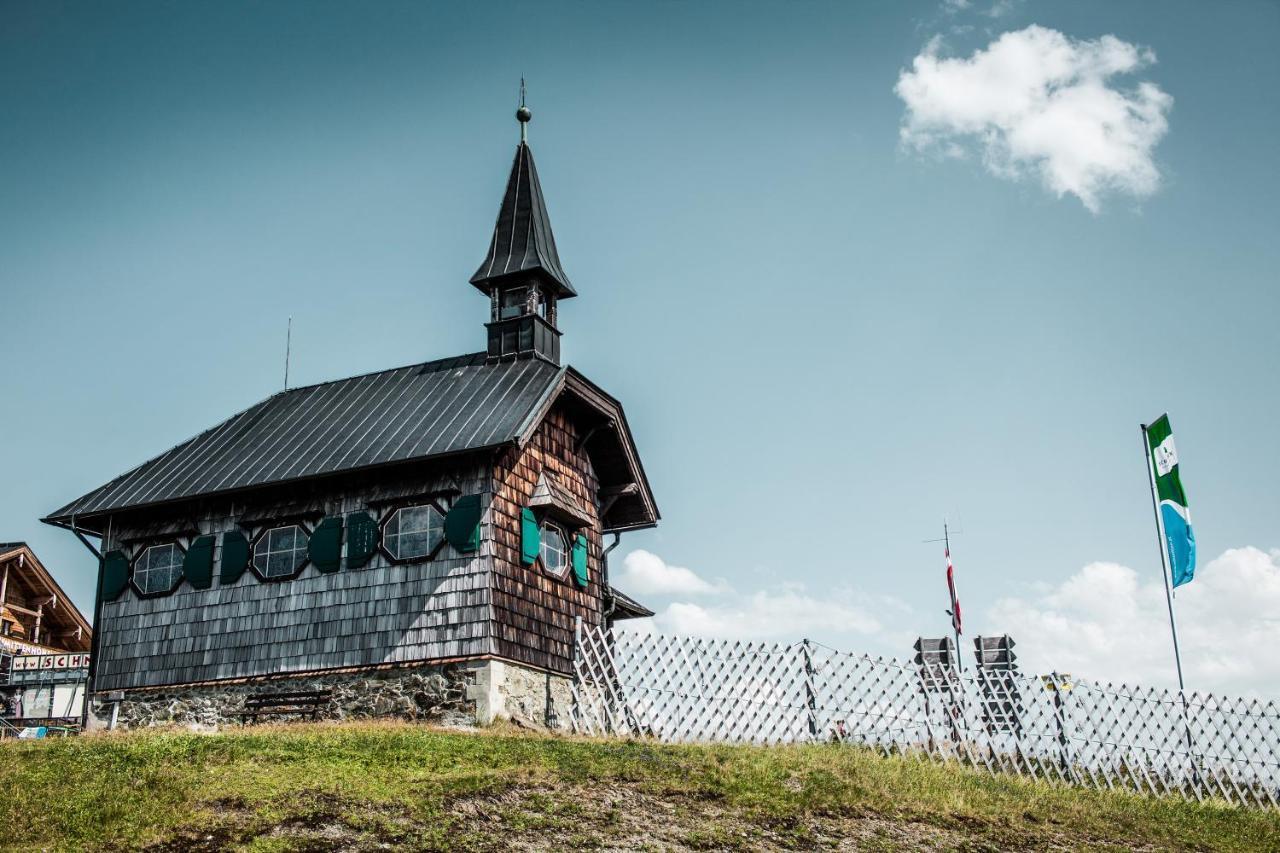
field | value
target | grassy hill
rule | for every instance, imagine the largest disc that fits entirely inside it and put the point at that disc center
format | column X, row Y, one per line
column 382, row 786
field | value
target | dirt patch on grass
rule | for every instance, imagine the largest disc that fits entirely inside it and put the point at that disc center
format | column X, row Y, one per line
column 606, row 817
column 622, row 817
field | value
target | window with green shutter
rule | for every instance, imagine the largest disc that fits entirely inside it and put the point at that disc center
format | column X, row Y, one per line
column 413, row 533
column 158, row 570
column 462, row 524
column 530, row 537
column 235, row 556
column 115, row 574
column 325, row 547
column 197, row 565
column 280, row 553
column 362, row 539
column 580, row 560
column 555, row 550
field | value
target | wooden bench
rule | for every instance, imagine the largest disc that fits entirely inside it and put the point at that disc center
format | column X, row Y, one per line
column 301, row 702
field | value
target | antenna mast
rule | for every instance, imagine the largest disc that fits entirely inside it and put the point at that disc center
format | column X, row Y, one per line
column 288, row 345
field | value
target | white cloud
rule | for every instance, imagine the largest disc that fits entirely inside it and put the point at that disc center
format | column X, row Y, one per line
column 785, row 614
column 1038, row 103
column 645, row 573
column 1108, row 623
column 783, row 611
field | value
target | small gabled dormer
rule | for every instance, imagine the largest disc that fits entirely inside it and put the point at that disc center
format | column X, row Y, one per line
column 521, row 273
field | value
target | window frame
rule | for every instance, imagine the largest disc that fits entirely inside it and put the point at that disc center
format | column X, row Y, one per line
column 142, row 552
column 390, row 512
column 543, row 527
column 262, row 537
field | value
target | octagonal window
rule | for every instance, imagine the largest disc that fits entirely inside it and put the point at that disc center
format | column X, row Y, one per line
column 413, row 532
column 281, row 552
column 555, row 551
column 158, row 569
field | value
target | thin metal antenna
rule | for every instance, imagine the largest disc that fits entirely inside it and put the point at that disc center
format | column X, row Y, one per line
column 288, row 345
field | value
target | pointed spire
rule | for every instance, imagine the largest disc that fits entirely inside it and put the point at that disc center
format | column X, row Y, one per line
column 522, row 240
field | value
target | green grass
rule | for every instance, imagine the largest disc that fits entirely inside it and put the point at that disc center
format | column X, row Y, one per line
column 373, row 786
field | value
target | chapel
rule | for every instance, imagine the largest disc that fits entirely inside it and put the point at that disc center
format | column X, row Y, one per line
column 417, row 541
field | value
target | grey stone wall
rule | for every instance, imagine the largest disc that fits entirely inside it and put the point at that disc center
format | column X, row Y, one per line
column 378, row 614
column 443, row 693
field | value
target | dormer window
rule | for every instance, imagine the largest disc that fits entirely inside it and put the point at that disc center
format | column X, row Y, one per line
column 158, row 570
column 280, row 552
column 555, row 551
column 413, row 533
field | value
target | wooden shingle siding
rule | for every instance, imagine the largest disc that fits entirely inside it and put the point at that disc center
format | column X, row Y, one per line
column 534, row 612
column 381, row 613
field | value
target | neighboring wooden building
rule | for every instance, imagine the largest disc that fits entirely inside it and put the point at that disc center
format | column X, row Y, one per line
column 419, row 540
column 44, row 642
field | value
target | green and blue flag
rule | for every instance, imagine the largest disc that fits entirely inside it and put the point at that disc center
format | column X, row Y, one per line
column 1180, row 540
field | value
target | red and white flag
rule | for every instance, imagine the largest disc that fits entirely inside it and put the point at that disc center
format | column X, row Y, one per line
column 951, row 587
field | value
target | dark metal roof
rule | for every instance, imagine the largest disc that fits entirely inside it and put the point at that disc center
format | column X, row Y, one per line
column 441, row 407
column 626, row 607
column 522, row 239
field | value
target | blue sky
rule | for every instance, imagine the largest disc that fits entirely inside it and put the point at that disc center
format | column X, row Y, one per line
column 828, row 336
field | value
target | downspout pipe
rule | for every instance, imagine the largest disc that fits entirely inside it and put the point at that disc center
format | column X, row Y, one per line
column 97, row 619
column 608, row 590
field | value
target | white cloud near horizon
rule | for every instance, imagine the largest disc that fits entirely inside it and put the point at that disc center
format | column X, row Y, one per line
column 1036, row 103
column 1108, row 623
column 785, row 611
column 1105, row 622
column 645, row 573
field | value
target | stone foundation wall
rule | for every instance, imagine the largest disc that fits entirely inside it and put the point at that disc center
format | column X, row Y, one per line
column 457, row 694
column 436, row 693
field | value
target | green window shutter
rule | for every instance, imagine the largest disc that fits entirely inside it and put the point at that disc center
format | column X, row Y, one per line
column 197, row 566
column 235, row 556
column 462, row 524
column 115, row 574
column 362, row 539
column 579, row 556
column 325, row 547
column 530, row 537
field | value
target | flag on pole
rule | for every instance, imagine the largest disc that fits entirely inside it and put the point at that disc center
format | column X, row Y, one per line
column 951, row 587
column 1175, row 517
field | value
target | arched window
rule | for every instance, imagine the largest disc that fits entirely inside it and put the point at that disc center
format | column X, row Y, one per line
column 280, row 552
column 413, row 532
column 158, row 569
column 555, row 551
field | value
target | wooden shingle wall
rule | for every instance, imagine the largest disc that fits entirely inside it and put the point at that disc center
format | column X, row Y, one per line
column 534, row 611
column 382, row 613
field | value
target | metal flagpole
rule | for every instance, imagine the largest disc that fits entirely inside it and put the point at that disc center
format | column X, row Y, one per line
column 1164, row 561
column 1168, row 597
column 955, row 623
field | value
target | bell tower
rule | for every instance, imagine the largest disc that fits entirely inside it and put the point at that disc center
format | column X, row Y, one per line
column 521, row 273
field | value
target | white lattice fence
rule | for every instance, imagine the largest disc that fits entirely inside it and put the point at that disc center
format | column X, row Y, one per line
column 1144, row 739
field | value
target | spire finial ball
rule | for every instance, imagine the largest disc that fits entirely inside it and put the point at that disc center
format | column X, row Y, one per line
column 524, row 114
